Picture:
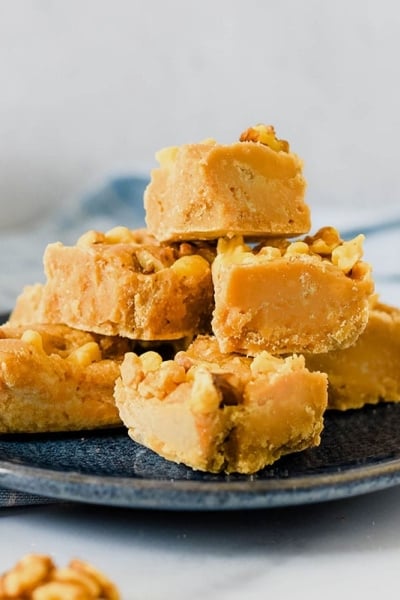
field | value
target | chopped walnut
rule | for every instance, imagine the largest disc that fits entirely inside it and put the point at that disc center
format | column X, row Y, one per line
column 91, row 237
column 205, row 397
column 162, row 381
column 324, row 241
column 116, row 235
column 148, row 262
column 265, row 134
column 151, row 361
column 86, row 354
column 348, row 254
column 36, row 577
column 189, row 266
column 297, row 248
column 34, row 338
column 120, row 235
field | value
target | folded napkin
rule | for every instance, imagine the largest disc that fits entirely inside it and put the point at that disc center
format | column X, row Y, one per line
column 11, row 498
column 119, row 201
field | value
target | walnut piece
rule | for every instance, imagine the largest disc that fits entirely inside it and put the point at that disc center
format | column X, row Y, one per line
column 264, row 134
column 36, row 577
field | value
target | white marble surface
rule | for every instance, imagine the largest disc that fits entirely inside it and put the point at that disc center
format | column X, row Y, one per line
column 340, row 549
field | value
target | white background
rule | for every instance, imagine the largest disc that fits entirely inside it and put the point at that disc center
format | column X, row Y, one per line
column 93, row 87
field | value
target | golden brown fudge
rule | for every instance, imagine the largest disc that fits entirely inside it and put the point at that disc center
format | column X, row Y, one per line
column 216, row 412
column 305, row 296
column 254, row 187
column 369, row 371
column 115, row 283
column 28, row 307
column 54, row 378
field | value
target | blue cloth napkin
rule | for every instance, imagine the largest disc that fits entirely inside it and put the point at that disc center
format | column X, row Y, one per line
column 11, row 498
column 119, row 201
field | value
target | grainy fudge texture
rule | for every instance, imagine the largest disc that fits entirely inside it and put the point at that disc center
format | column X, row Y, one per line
column 305, row 296
column 123, row 283
column 369, row 371
column 254, row 187
column 54, row 378
column 216, row 412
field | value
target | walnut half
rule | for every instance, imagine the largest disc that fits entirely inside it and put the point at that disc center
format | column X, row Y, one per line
column 36, row 577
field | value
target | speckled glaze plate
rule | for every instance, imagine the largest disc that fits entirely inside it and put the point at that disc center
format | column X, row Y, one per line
column 359, row 453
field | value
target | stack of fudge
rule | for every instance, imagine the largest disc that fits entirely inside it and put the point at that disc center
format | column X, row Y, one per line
column 219, row 334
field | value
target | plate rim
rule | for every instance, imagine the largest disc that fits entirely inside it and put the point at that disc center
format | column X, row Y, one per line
column 172, row 494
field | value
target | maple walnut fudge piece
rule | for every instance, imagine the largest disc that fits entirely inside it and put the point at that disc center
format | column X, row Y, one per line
column 216, row 412
column 54, row 378
column 114, row 284
column 304, row 296
column 369, row 371
column 254, row 187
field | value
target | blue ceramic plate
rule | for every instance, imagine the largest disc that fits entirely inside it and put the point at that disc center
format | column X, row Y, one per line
column 359, row 453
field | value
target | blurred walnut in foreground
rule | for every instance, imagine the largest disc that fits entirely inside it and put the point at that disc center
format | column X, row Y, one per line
column 36, row 577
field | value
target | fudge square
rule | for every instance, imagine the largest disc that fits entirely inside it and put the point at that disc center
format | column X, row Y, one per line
column 254, row 187
column 123, row 282
column 284, row 297
column 369, row 371
column 55, row 378
column 221, row 412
